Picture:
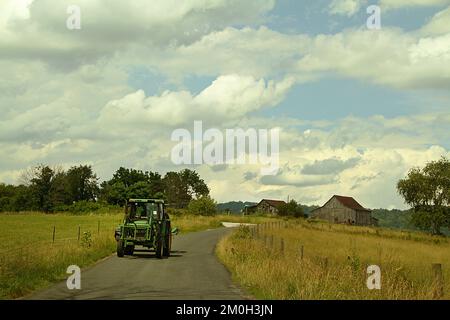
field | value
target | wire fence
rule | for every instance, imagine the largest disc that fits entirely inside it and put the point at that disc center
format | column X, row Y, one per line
column 55, row 239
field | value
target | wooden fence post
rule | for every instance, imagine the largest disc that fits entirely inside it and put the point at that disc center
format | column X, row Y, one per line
column 98, row 227
column 54, row 231
column 301, row 252
column 438, row 283
column 79, row 233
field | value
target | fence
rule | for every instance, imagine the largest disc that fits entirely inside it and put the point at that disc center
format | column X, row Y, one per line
column 55, row 239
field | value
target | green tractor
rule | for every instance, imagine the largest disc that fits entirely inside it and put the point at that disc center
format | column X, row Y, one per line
column 146, row 224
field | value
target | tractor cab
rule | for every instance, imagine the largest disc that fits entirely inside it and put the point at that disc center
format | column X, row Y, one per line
column 142, row 209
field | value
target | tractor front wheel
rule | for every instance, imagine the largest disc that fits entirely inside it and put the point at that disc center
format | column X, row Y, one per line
column 167, row 241
column 129, row 250
column 120, row 249
column 159, row 247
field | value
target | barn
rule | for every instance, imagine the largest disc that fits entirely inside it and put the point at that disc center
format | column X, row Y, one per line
column 265, row 206
column 340, row 209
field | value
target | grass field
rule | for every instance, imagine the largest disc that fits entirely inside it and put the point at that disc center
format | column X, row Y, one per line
column 335, row 260
column 30, row 259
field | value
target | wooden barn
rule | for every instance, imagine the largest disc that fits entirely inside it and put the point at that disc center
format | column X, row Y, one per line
column 346, row 210
column 265, row 206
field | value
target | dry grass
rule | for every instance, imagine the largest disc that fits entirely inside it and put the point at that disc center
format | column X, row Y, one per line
column 334, row 262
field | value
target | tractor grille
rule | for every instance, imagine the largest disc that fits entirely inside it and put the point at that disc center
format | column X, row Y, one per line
column 140, row 233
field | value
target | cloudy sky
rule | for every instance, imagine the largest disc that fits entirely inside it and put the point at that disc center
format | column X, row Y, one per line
column 356, row 107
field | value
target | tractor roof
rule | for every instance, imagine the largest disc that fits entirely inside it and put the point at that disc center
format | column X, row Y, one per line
column 145, row 201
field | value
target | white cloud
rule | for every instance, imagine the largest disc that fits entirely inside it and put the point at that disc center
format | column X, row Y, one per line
column 228, row 97
column 112, row 26
column 389, row 57
column 346, row 7
column 439, row 24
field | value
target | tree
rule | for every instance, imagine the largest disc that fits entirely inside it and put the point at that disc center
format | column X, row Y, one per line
column 427, row 191
column 82, row 183
column 204, row 206
column 292, row 208
column 41, row 187
column 140, row 190
column 131, row 183
column 181, row 187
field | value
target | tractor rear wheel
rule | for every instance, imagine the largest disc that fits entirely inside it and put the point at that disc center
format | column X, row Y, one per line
column 120, row 249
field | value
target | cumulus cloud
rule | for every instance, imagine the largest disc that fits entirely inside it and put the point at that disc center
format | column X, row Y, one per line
column 439, row 24
column 228, row 97
column 112, row 26
column 388, row 57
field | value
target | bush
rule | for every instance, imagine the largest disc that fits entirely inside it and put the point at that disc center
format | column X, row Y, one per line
column 174, row 212
column 292, row 209
column 204, row 206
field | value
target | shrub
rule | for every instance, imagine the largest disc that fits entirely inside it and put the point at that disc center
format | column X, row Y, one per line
column 204, row 206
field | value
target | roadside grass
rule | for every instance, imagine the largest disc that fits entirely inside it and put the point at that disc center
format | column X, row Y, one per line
column 30, row 260
column 335, row 261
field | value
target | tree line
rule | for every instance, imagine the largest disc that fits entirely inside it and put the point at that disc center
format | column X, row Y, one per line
column 50, row 189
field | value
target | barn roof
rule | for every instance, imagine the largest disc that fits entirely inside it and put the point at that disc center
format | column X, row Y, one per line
column 273, row 203
column 348, row 202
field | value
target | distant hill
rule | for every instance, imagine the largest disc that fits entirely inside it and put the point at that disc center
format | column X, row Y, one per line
column 234, row 207
column 396, row 219
column 308, row 209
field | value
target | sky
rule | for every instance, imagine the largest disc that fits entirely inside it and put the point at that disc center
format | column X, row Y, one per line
column 356, row 107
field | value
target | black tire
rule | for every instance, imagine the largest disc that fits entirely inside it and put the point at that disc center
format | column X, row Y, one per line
column 167, row 241
column 129, row 250
column 159, row 246
column 120, row 249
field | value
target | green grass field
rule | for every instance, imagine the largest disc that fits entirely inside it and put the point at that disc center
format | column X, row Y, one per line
column 29, row 259
column 335, row 260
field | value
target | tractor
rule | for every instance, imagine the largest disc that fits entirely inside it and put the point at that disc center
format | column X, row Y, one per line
column 146, row 224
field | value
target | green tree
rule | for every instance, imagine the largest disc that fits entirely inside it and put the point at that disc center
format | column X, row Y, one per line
column 204, row 206
column 140, row 190
column 292, row 208
column 41, row 186
column 81, row 183
column 181, row 187
column 427, row 191
column 131, row 183
column 115, row 194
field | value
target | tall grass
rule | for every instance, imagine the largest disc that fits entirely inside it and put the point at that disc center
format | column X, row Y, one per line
column 335, row 261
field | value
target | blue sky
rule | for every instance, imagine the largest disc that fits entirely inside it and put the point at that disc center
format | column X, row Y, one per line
column 356, row 107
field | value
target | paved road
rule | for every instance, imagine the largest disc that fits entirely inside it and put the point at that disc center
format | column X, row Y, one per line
column 192, row 272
